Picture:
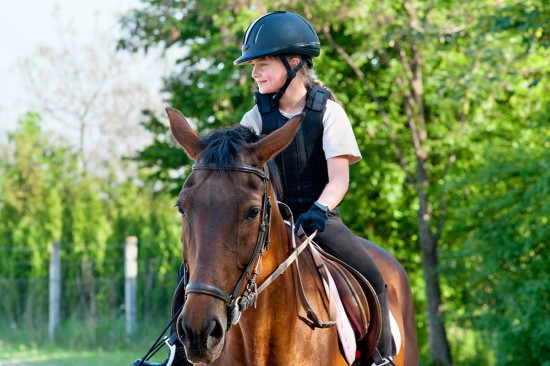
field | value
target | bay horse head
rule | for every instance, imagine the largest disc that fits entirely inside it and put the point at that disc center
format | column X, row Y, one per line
column 225, row 205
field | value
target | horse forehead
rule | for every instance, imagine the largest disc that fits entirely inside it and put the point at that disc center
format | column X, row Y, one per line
column 214, row 186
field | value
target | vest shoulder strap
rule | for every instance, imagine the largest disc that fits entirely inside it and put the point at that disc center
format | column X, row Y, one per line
column 317, row 98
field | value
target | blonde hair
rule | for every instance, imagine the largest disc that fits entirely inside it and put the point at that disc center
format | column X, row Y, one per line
column 309, row 77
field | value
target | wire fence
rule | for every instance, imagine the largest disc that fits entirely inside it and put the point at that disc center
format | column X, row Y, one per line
column 91, row 289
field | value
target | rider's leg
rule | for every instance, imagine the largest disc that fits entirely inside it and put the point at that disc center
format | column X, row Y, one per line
column 180, row 359
column 338, row 240
column 385, row 342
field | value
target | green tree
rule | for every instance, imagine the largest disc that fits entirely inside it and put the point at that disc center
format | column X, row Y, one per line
column 31, row 214
column 501, row 268
column 45, row 196
column 498, row 263
column 428, row 89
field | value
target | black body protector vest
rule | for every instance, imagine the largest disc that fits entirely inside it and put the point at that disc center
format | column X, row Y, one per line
column 303, row 165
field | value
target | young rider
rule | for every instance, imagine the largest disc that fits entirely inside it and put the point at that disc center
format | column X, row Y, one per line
column 315, row 166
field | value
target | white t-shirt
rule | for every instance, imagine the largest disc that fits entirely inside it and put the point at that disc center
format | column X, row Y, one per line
column 338, row 137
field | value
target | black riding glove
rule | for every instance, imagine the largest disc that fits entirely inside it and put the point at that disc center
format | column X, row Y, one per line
column 313, row 219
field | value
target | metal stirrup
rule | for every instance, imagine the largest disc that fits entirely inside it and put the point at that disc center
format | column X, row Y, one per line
column 171, row 343
column 384, row 361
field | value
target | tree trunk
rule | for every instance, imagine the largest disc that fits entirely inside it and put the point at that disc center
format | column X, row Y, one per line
column 412, row 90
column 439, row 347
column 413, row 98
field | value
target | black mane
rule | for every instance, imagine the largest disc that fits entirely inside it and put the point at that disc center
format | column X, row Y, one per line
column 223, row 149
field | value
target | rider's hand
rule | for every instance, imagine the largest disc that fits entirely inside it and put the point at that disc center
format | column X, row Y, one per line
column 313, row 219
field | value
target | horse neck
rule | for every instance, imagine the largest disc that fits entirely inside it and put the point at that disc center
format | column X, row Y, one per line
column 280, row 248
column 278, row 306
column 279, row 243
column 281, row 288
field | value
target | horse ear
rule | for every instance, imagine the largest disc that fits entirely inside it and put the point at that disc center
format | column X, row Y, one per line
column 267, row 148
column 184, row 134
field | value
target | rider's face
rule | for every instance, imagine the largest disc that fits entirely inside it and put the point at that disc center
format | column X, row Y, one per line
column 269, row 74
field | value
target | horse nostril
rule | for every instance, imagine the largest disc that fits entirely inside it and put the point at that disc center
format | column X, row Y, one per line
column 180, row 331
column 216, row 334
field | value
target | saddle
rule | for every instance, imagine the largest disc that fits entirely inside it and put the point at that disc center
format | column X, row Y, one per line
column 356, row 293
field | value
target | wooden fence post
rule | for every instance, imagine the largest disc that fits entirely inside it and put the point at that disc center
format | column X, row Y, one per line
column 130, row 285
column 55, row 289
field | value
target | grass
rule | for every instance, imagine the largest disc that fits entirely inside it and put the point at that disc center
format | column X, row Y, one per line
column 65, row 358
column 101, row 342
column 50, row 356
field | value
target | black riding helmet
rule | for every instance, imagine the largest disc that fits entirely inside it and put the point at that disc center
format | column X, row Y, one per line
column 280, row 33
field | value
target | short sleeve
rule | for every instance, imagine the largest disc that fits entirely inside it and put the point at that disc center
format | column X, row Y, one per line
column 253, row 119
column 338, row 136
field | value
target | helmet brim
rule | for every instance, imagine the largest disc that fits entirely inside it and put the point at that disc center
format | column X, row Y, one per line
column 307, row 50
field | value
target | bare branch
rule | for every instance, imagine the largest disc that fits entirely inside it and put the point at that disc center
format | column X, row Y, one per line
column 408, row 105
column 89, row 89
column 417, row 87
column 405, row 63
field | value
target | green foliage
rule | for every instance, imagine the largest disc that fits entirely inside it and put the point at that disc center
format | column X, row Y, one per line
column 45, row 198
column 485, row 93
column 502, row 263
column 163, row 161
column 484, row 69
column 30, row 214
column 504, row 259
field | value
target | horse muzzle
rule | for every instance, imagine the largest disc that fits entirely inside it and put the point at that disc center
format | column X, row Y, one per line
column 201, row 329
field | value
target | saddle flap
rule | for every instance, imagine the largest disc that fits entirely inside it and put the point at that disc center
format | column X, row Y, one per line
column 352, row 296
column 370, row 340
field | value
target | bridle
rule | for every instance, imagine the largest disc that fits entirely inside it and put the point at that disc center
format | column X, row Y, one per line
column 237, row 304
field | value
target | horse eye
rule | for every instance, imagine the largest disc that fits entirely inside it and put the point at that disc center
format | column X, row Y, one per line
column 253, row 213
column 180, row 209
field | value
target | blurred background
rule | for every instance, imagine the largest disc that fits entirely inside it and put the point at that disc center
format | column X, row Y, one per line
column 450, row 103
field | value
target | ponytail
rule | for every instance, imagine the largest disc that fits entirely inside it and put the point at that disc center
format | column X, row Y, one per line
column 309, row 77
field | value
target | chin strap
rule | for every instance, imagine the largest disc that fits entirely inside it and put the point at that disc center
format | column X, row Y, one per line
column 291, row 74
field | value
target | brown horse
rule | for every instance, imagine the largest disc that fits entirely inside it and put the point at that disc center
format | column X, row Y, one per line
column 232, row 239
